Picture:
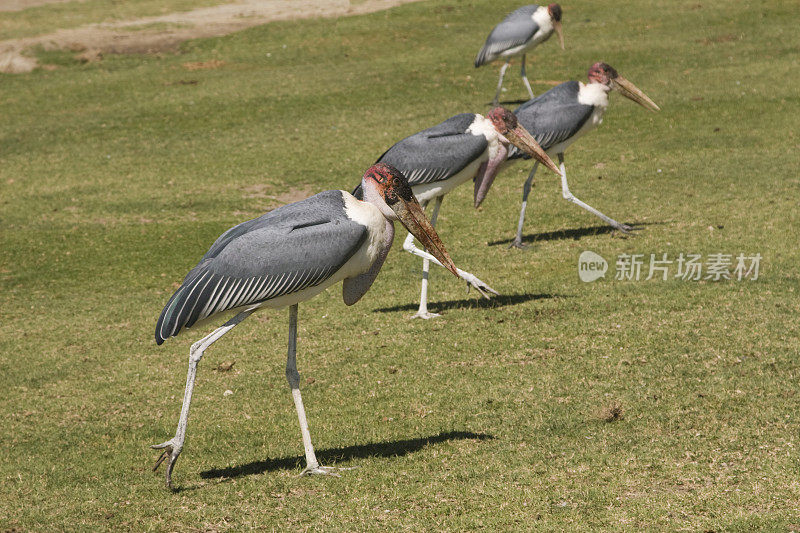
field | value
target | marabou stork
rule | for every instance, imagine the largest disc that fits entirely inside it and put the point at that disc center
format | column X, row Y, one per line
column 560, row 116
column 438, row 159
column 288, row 256
column 521, row 31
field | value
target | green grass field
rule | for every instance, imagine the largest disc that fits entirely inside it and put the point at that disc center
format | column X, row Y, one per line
column 116, row 176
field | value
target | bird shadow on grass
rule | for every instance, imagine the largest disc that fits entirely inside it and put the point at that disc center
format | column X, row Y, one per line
column 360, row 451
column 476, row 302
column 574, row 234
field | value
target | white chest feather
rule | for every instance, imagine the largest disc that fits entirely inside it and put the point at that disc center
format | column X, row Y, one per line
column 369, row 216
column 483, row 126
column 542, row 19
column 596, row 95
column 593, row 94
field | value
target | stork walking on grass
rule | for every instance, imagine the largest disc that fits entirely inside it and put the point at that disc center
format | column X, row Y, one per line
column 288, row 256
column 518, row 33
column 560, row 116
column 438, row 159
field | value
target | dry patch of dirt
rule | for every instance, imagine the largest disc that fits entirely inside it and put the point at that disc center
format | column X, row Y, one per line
column 225, row 366
column 204, row 65
column 611, row 413
column 133, row 36
column 19, row 5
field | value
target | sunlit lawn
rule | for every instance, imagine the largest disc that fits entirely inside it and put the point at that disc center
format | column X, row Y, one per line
column 560, row 405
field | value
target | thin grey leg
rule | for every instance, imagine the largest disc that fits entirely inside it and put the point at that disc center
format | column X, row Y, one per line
column 526, row 189
column 293, row 377
column 624, row 228
column 173, row 447
column 525, row 78
column 500, row 83
column 422, row 312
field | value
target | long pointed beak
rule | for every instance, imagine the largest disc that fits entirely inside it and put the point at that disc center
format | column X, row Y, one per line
column 559, row 32
column 631, row 91
column 413, row 218
column 523, row 140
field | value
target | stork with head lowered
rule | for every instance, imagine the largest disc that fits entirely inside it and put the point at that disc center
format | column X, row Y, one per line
column 285, row 257
column 562, row 115
column 440, row 158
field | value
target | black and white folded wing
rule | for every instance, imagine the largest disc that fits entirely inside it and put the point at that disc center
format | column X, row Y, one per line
column 555, row 118
column 510, row 36
column 276, row 260
column 437, row 153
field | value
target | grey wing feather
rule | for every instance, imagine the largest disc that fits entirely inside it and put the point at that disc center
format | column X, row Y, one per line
column 552, row 117
column 437, row 153
column 515, row 30
column 287, row 250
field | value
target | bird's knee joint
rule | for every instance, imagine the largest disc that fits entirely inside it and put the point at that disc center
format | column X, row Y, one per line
column 293, row 377
column 196, row 352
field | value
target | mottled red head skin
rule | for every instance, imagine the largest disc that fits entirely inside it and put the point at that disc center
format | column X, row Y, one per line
column 602, row 73
column 502, row 119
column 555, row 12
column 390, row 182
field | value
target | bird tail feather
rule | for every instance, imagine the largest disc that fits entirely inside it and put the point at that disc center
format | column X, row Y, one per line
column 184, row 307
column 483, row 57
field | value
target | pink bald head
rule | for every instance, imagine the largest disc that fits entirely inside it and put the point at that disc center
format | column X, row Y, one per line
column 502, row 119
column 602, row 73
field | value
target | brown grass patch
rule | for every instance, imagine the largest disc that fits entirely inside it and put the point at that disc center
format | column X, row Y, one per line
column 204, row 65
column 225, row 366
column 611, row 413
